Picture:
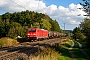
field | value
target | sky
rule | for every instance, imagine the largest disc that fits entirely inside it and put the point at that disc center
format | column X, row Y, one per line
column 64, row 11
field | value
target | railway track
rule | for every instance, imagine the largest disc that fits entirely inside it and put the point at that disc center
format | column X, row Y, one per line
column 25, row 50
column 11, row 53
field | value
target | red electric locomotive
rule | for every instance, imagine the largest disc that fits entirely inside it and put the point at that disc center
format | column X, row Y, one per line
column 36, row 33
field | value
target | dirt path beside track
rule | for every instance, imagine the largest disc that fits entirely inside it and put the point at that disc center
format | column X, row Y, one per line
column 80, row 45
column 72, row 52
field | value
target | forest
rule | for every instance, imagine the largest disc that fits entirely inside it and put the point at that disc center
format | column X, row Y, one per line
column 16, row 24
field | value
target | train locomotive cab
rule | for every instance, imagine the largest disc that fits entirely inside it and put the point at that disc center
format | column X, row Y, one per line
column 36, row 33
column 31, row 34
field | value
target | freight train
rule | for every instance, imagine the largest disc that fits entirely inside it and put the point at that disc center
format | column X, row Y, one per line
column 37, row 33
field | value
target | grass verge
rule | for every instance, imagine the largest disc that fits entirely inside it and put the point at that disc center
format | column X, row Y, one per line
column 59, row 52
column 85, row 48
column 73, row 54
column 7, row 42
column 63, row 49
column 78, row 55
column 46, row 54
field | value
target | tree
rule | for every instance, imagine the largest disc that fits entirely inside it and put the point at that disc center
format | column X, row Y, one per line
column 17, row 30
column 77, row 34
column 35, row 25
column 45, row 24
column 55, row 26
column 86, row 6
column 2, row 30
column 6, row 21
column 85, row 27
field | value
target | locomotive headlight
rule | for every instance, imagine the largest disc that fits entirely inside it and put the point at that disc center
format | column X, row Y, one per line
column 28, row 34
column 34, row 34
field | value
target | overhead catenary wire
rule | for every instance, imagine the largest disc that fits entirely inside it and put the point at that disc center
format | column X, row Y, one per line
column 18, row 4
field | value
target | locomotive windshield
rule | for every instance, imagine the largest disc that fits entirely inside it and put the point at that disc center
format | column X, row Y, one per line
column 32, row 30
